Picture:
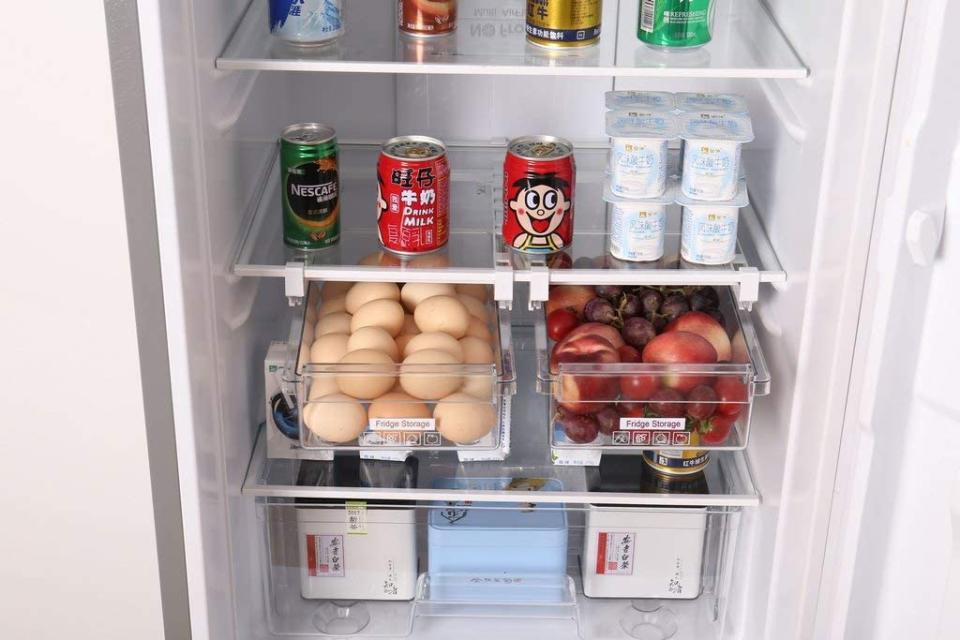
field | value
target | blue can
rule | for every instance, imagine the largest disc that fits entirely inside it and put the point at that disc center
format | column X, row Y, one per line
column 306, row 22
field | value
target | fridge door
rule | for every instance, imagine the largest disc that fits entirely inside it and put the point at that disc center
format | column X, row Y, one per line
column 893, row 563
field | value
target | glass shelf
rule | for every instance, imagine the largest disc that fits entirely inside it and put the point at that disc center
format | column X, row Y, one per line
column 490, row 40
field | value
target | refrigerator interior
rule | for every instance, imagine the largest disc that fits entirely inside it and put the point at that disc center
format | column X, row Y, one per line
column 214, row 131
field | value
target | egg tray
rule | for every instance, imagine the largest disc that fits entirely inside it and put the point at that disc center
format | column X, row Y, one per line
column 637, row 425
column 468, row 414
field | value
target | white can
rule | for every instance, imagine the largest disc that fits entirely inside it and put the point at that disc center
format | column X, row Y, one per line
column 708, row 233
column 711, row 153
column 637, row 228
column 638, row 152
column 306, row 22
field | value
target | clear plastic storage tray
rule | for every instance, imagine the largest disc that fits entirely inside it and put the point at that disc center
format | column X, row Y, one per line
column 600, row 403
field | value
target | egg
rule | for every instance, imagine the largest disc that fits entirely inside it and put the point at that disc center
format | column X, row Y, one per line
column 333, row 305
column 479, row 291
column 379, row 313
column 335, row 418
column 443, row 313
column 333, row 323
column 321, row 385
column 413, row 293
column 462, row 419
column 367, row 384
column 434, row 340
column 479, row 329
column 335, row 290
column 375, row 338
column 476, row 351
column 430, row 385
column 329, row 348
column 364, row 292
column 409, row 325
column 404, row 339
column 476, row 308
column 397, row 404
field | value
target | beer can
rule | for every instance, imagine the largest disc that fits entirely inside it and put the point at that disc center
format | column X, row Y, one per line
column 427, row 17
column 310, row 177
column 538, row 187
column 564, row 23
column 677, row 462
column 306, row 22
column 676, row 23
column 413, row 195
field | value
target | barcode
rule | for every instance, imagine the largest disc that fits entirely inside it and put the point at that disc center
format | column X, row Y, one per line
column 647, row 10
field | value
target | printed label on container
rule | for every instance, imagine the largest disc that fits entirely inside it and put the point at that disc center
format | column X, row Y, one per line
column 325, row 556
column 653, row 424
column 403, row 424
column 615, row 551
column 357, row 518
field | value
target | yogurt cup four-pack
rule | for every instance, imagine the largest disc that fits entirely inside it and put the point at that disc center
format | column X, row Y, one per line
column 712, row 144
column 639, row 164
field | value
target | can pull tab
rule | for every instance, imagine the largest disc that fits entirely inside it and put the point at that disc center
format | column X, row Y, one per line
column 923, row 235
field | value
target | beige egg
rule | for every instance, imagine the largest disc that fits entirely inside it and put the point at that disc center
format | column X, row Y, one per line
column 479, row 386
column 476, row 308
column 462, row 419
column 479, row 291
column 413, row 293
column 335, row 418
column 364, row 292
column 397, row 404
column 404, row 339
column 333, row 305
column 476, row 351
column 409, row 325
column 479, row 329
column 443, row 313
column 434, row 340
column 329, row 348
column 430, row 384
column 322, row 385
column 335, row 290
column 333, row 323
column 367, row 384
column 375, row 338
column 379, row 313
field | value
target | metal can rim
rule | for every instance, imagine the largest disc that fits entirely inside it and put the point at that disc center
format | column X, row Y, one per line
column 329, row 131
column 649, row 457
column 427, row 139
column 511, row 147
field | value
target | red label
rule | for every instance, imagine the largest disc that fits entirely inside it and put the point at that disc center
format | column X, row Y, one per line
column 413, row 204
column 325, row 556
column 538, row 203
column 601, row 553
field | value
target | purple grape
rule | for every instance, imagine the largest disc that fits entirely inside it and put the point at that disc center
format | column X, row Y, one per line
column 716, row 315
column 703, row 402
column 630, row 306
column 583, row 262
column 637, row 332
column 673, row 307
column 578, row 428
column 600, row 310
column 699, row 302
column 650, row 301
column 609, row 291
column 667, row 403
column 654, row 318
column 608, row 419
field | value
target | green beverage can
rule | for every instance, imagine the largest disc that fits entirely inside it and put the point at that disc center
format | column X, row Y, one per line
column 675, row 23
column 310, row 182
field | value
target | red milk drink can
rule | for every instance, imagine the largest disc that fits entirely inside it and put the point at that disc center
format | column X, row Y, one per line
column 413, row 195
column 538, row 181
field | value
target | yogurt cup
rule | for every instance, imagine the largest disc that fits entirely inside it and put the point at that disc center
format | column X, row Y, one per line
column 712, row 143
column 637, row 228
column 640, row 100
column 708, row 232
column 638, row 164
column 717, row 102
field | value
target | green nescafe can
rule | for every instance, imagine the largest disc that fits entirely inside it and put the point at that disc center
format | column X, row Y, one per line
column 675, row 23
column 310, row 179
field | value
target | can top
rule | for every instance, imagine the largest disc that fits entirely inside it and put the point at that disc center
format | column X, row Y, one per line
column 649, row 100
column 540, row 148
column 414, row 148
column 713, row 125
column 310, row 133
column 722, row 102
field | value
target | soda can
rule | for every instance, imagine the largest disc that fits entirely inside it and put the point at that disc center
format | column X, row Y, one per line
column 564, row 23
column 539, row 174
column 310, row 194
column 413, row 195
column 677, row 462
column 427, row 17
column 306, row 22
column 676, row 23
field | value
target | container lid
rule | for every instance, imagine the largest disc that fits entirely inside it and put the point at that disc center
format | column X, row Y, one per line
column 650, row 100
column 713, row 125
column 720, row 102
column 641, row 123
column 740, row 200
column 669, row 195
column 491, row 516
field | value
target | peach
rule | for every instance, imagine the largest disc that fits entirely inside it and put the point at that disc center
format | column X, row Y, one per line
column 586, row 393
column 570, row 296
column 680, row 347
column 605, row 331
column 706, row 327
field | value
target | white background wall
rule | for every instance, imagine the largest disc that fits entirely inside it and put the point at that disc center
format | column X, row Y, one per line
column 77, row 543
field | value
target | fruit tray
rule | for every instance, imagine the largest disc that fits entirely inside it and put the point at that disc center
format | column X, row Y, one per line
column 414, row 366
column 640, row 368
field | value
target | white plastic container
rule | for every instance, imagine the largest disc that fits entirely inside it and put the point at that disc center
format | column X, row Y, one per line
column 637, row 228
column 712, row 144
column 658, row 101
column 638, row 152
column 708, row 233
column 643, row 552
column 716, row 102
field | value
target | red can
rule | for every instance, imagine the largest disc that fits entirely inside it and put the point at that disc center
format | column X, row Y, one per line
column 413, row 195
column 538, row 180
column 427, row 17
